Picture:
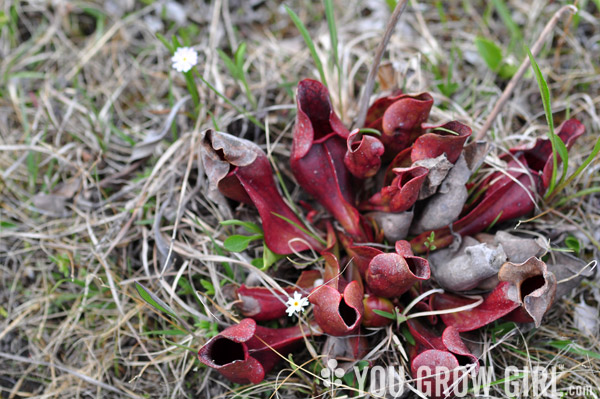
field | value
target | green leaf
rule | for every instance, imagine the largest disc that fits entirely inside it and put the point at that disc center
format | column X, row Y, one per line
column 249, row 226
column 580, row 169
column 311, row 46
column 443, row 129
column 573, row 244
column 269, row 257
column 165, row 42
column 164, row 332
column 209, row 288
column 587, row 191
column 545, row 93
column 385, row 314
column 239, row 55
column 573, row 348
column 490, row 52
column 332, row 30
column 368, row 130
column 563, row 153
column 238, row 243
column 504, row 12
column 230, row 64
column 507, row 71
column 408, row 336
column 153, row 300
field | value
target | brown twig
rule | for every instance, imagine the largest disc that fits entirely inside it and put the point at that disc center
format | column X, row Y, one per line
column 524, row 65
column 364, row 101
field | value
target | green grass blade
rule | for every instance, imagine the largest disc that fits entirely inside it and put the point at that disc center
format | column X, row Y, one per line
column 251, row 227
column 153, row 300
column 545, row 93
column 573, row 348
column 504, row 12
column 578, row 194
column 580, row 169
column 165, row 42
column 332, row 31
column 334, row 47
column 229, row 64
column 563, row 153
column 239, row 55
column 311, row 46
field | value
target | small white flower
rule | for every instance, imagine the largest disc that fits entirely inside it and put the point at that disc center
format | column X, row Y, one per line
column 296, row 304
column 184, row 59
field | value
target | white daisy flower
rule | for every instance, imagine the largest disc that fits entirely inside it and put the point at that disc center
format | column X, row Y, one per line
column 184, row 59
column 296, row 304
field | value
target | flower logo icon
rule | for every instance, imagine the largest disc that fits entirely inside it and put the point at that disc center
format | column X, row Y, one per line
column 332, row 374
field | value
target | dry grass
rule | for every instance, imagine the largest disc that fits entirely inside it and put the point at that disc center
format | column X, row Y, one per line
column 82, row 82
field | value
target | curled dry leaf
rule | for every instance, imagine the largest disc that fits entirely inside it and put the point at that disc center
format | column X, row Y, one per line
column 445, row 206
column 569, row 272
column 517, row 249
column 438, row 170
column 467, row 267
column 395, row 226
column 532, row 286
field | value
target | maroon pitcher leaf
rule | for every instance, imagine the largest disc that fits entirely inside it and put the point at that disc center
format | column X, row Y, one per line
column 401, row 194
column 261, row 303
column 363, row 154
column 495, row 305
column 317, row 158
column 372, row 319
column 391, row 275
column 436, row 363
column 245, row 352
column 338, row 313
column 228, row 354
column 241, row 171
column 378, row 108
column 401, row 122
column 448, row 139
